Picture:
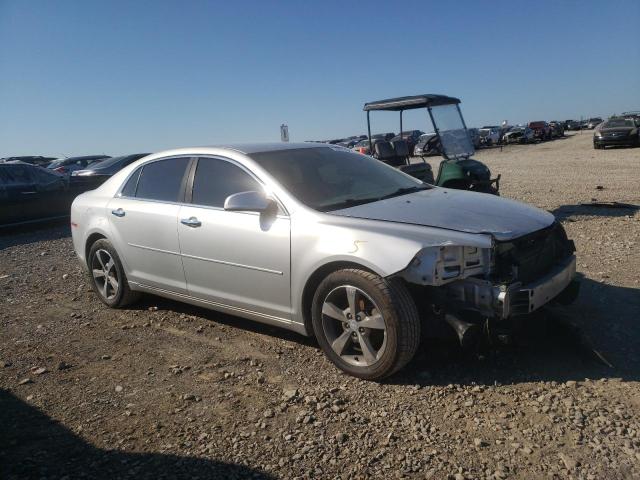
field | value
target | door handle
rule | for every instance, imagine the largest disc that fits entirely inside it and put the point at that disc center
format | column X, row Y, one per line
column 118, row 212
column 192, row 222
column 28, row 193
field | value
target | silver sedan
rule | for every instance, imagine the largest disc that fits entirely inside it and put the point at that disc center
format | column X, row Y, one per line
column 322, row 241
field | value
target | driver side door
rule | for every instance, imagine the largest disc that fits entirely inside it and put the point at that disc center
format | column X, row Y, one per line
column 234, row 259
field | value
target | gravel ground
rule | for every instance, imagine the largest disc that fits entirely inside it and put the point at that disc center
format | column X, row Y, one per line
column 165, row 390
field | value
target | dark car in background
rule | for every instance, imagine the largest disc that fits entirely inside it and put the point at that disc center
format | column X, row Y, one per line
column 98, row 172
column 571, row 125
column 31, row 159
column 29, row 193
column 411, row 137
column 541, row 130
column 616, row 131
column 557, row 128
column 66, row 166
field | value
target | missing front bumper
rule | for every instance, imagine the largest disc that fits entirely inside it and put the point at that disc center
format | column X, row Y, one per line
column 504, row 301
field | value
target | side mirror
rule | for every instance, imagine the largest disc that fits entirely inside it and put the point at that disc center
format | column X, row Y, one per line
column 248, row 202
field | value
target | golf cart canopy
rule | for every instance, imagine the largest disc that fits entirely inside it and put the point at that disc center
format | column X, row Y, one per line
column 409, row 103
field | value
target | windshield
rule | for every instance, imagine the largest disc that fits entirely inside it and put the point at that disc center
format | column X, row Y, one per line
column 618, row 123
column 107, row 163
column 328, row 179
column 453, row 134
column 56, row 163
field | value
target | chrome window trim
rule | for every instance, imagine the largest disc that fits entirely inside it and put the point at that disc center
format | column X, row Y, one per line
column 247, row 171
column 140, row 167
column 284, row 213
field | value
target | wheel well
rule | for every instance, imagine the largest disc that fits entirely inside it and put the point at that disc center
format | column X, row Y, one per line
column 314, row 281
column 93, row 238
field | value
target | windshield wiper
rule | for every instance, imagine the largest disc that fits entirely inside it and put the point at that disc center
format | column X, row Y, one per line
column 349, row 202
column 352, row 202
column 404, row 191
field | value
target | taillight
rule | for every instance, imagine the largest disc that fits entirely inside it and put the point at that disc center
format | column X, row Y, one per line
column 60, row 169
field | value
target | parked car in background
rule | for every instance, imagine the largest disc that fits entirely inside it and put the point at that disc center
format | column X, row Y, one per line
column 489, row 135
column 324, row 242
column 592, row 123
column 541, row 130
column 518, row 134
column 363, row 145
column 100, row 171
column 557, row 129
column 349, row 142
column 616, row 131
column 31, row 159
column 66, row 166
column 29, row 193
column 428, row 144
column 571, row 125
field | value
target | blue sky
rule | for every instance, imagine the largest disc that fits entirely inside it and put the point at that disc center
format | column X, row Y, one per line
column 83, row 77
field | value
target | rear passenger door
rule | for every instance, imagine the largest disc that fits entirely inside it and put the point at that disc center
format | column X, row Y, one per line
column 237, row 259
column 143, row 218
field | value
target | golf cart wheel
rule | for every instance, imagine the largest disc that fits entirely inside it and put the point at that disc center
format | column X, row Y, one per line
column 366, row 325
column 107, row 276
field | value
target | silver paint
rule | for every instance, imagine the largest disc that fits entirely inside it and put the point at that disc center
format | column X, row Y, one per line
column 257, row 265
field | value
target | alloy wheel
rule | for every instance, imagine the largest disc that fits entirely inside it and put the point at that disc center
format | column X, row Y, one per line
column 105, row 274
column 354, row 326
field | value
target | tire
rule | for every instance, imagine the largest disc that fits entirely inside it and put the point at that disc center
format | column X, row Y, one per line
column 388, row 302
column 100, row 254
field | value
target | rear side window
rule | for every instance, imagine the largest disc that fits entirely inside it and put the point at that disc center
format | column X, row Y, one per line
column 216, row 179
column 129, row 189
column 162, row 180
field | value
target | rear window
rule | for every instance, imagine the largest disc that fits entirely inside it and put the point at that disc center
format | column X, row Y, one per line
column 619, row 123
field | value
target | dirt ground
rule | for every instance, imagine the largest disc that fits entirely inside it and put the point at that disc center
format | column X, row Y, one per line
column 165, row 390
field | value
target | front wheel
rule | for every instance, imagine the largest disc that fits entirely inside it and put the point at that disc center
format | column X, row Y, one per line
column 366, row 325
column 107, row 276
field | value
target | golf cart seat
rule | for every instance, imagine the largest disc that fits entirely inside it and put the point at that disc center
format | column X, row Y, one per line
column 385, row 152
column 421, row 171
column 401, row 147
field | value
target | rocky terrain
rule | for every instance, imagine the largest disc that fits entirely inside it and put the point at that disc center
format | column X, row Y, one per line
column 165, row 390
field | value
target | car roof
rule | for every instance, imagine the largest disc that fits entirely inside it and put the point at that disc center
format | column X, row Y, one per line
column 407, row 103
column 241, row 148
column 249, row 148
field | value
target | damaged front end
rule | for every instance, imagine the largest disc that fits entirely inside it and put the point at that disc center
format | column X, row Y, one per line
column 466, row 287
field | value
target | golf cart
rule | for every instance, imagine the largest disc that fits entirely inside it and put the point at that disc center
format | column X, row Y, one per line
column 457, row 170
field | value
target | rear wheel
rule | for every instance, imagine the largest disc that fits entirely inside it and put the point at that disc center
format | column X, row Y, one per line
column 366, row 325
column 107, row 276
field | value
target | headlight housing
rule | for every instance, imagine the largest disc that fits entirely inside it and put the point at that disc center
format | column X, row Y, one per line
column 444, row 264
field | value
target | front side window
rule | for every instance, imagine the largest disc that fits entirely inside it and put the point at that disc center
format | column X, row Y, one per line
column 20, row 174
column 161, row 180
column 216, row 179
column 44, row 176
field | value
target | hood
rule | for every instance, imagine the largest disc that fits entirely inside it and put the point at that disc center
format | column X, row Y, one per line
column 458, row 210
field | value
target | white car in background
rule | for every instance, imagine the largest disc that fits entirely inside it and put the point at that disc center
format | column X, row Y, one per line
column 489, row 135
